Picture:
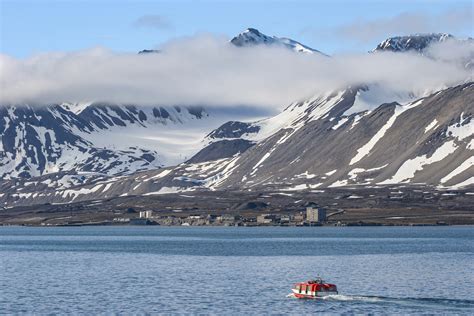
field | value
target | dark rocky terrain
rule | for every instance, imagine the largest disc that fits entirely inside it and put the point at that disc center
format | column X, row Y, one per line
column 327, row 149
column 427, row 142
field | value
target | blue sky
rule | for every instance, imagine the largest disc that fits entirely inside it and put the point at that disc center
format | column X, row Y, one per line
column 31, row 27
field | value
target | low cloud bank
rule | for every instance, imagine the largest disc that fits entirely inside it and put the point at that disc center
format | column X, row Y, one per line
column 207, row 70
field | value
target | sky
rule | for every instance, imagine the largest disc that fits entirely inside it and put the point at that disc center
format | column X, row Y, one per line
column 337, row 26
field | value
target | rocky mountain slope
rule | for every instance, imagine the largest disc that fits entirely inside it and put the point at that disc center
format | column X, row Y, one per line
column 426, row 142
column 361, row 136
column 100, row 138
column 429, row 141
column 315, row 144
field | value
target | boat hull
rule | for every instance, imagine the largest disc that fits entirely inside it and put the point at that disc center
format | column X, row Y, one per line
column 317, row 294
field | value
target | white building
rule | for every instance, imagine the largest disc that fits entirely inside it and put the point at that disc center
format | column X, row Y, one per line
column 315, row 215
column 266, row 218
column 146, row 214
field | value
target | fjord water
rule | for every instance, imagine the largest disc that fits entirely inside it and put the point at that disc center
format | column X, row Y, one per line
column 235, row 270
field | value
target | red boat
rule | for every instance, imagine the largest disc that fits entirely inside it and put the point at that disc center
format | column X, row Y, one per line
column 313, row 289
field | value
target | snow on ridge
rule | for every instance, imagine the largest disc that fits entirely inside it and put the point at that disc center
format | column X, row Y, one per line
column 76, row 108
column 296, row 115
column 469, row 181
column 468, row 163
column 418, row 42
column 461, row 130
column 215, row 180
column 460, row 185
column 365, row 150
column 341, row 122
column 159, row 175
column 204, row 168
column 169, row 190
column 338, row 183
column 324, row 107
column 470, row 145
column 252, row 36
column 75, row 193
column 431, row 126
column 408, row 169
column 297, row 187
column 294, row 118
column 305, row 175
column 264, row 157
column 353, row 174
column 330, row 173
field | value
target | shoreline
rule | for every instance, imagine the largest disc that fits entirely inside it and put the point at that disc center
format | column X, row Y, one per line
column 376, row 207
column 235, row 226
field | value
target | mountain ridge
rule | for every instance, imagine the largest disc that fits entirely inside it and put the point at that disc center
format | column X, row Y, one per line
column 92, row 150
column 320, row 148
column 252, row 37
column 414, row 42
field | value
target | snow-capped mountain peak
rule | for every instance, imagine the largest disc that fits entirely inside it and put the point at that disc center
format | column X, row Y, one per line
column 416, row 42
column 252, row 37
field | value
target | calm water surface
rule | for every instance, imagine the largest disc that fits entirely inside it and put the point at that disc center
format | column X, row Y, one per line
column 147, row 270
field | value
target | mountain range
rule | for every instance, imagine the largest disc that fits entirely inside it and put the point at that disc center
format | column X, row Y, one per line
column 360, row 136
column 416, row 42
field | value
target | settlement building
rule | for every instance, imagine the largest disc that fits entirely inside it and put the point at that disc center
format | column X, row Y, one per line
column 315, row 214
column 146, row 214
column 266, row 219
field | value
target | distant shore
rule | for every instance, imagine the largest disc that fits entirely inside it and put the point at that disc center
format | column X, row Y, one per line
column 351, row 224
column 405, row 206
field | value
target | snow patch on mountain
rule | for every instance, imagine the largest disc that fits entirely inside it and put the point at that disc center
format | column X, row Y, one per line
column 354, row 173
column 295, row 116
column 431, row 126
column 229, row 166
column 463, row 129
column 341, row 122
column 468, row 163
column 365, row 150
column 410, row 167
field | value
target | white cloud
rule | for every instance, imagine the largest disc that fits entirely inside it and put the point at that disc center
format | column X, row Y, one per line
column 453, row 50
column 407, row 23
column 152, row 21
column 207, row 70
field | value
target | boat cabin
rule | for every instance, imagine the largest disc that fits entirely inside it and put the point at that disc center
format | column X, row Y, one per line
column 314, row 288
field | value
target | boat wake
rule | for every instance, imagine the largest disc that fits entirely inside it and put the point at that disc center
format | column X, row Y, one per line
column 457, row 303
column 338, row 297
